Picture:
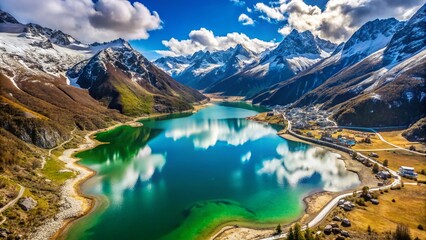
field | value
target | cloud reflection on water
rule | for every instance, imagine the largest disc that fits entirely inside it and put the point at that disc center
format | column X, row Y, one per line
column 297, row 165
column 127, row 174
column 207, row 133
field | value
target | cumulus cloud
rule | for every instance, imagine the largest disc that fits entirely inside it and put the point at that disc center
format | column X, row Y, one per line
column 270, row 13
column 204, row 39
column 339, row 19
column 245, row 20
column 238, row 2
column 86, row 20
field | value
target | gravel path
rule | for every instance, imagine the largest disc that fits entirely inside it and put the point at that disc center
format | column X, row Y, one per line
column 72, row 204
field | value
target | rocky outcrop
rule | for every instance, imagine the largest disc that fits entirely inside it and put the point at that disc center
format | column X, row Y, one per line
column 27, row 203
column 417, row 132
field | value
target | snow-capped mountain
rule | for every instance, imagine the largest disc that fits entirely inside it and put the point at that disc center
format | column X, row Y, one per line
column 205, row 68
column 386, row 87
column 41, row 107
column 297, row 52
column 409, row 40
column 7, row 18
column 125, row 80
column 368, row 39
column 41, row 49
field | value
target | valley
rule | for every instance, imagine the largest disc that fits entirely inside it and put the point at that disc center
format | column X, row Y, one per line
column 217, row 137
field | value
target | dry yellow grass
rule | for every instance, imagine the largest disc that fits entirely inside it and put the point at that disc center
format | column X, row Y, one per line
column 396, row 138
column 315, row 133
column 275, row 119
column 398, row 158
column 22, row 108
column 409, row 208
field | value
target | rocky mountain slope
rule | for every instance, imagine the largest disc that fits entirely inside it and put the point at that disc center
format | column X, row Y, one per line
column 203, row 69
column 124, row 80
column 40, row 105
column 371, row 37
column 417, row 132
column 376, row 79
column 296, row 53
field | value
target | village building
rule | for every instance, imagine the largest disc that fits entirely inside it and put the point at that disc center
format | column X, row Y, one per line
column 407, row 172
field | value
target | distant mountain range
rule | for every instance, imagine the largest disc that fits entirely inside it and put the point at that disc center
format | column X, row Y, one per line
column 203, row 69
column 375, row 78
column 240, row 71
column 50, row 83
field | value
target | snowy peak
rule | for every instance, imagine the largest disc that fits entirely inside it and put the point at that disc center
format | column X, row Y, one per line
column 124, row 57
column 297, row 43
column 119, row 55
column 7, row 18
column 408, row 40
column 371, row 37
column 325, row 45
column 119, row 42
column 211, row 64
column 36, row 31
column 241, row 50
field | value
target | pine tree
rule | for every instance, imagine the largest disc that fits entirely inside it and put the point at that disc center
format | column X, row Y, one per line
column 290, row 234
column 308, row 234
column 402, row 233
column 278, row 229
column 297, row 233
column 376, row 168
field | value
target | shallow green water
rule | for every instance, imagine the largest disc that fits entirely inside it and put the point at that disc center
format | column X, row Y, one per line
column 182, row 176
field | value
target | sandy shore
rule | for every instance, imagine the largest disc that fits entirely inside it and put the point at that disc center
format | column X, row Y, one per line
column 314, row 202
column 74, row 204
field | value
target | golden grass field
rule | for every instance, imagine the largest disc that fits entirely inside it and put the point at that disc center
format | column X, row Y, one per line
column 409, row 208
column 396, row 138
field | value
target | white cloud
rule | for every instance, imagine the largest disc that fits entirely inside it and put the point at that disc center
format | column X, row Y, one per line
column 204, row 39
column 238, row 2
column 245, row 20
column 339, row 19
column 206, row 134
column 103, row 20
column 271, row 13
column 249, row 10
column 293, row 166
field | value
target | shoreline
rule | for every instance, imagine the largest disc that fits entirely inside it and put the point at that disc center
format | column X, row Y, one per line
column 80, row 205
column 74, row 203
column 311, row 201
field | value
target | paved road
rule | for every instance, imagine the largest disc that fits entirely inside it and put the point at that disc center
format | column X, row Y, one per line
column 376, row 149
column 333, row 203
column 383, row 139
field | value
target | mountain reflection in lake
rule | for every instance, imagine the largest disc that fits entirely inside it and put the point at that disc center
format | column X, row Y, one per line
column 181, row 176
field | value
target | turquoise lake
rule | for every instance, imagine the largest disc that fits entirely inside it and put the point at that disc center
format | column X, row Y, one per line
column 183, row 176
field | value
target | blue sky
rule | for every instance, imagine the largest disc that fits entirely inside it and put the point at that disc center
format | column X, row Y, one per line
column 220, row 16
column 182, row 27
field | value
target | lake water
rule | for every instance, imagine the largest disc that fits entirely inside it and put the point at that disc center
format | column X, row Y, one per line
column 183, row 176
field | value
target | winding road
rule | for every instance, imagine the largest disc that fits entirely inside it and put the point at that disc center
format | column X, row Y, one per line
column 12, row 202
column 43, row 162
column 333, row 203
column 383, row 139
